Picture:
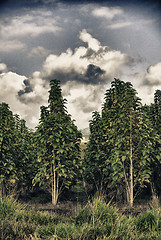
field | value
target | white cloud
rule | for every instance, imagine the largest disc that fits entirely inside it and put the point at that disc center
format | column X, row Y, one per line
column 84, row 100
column 153, row 76
column 74, row 65
column 92, row 42
column 107, row 12
column 134, row 22
column 28, row 104
column 11, row 45
column 65, row 62
column 146, row 83
column 119, row 25
column 3, row 68
column 11, row 83
column 39, row 92
column 35, row 98
column 38, row 22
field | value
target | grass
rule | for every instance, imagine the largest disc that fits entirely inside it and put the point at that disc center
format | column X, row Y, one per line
column 98, row 220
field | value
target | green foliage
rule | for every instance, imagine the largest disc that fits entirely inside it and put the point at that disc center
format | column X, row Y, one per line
column 7, row 134
column 152, row 150
column 124, row 148
column 146, row 222
column 98, row 220
column 17, row 153
column 7, row 208
column 58, row 142
column 95, row 211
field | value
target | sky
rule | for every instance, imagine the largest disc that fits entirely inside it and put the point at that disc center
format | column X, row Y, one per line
column 85, row 45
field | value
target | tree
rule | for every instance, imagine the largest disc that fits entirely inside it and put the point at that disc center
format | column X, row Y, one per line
column 17, row 153
column 25, row 155
column 152, row 151
column 122, row 140
column 59, row 144
column 157, row 111
column 7, row 164
column 95, row 154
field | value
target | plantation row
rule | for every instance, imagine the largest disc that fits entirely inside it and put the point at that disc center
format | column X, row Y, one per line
column 123, row 155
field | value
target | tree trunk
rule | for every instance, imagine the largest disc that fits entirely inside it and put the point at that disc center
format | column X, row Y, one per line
column 155, row 200
column 131, row 168
column 128, row 194
column 54, row 183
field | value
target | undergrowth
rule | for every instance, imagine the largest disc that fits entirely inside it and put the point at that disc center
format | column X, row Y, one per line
column 98, row 220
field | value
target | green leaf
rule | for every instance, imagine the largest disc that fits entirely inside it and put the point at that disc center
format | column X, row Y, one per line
column 123, row 158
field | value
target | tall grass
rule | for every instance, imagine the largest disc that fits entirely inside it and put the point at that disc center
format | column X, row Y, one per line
column 98, row 220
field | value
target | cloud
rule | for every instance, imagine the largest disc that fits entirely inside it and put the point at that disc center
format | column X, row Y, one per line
column 33, row 94
column 89, row 65
column 38, row 52
column 120, row 25
column 90, row 99
column 11, row 45
column 84, row 74
column 83, row 99
column 92, row 42
column 33, row 25
column 126, row 23
column 153, row 76
column 35, row 90
column 23, row 95
column 107, row 12
column 11, row 83
column 3, row 68
column 146, row 83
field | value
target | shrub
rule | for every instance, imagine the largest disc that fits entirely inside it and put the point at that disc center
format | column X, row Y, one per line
column 99, row 216
column 7, row 207
column 146, row 221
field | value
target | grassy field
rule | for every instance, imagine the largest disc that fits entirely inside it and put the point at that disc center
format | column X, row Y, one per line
column 97, row 220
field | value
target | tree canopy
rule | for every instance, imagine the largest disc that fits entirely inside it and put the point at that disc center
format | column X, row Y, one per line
column 59, row 144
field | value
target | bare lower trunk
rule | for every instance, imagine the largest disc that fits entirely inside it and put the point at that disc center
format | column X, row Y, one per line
column 2, row 189
column 131, row 168
column 155, row 200
column 54, row 183
column 128, row 195
column 54, row 186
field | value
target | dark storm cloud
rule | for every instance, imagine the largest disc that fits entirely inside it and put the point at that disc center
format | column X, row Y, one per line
column 93, row 75
column 93, row 54
column 27, row 88
column 35, row 3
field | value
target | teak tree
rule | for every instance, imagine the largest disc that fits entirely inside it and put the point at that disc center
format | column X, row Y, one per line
column 59, row 144
column 95, row 154
column 7, row 164
column 152, row 151
column 121, row 139
column 25, row 155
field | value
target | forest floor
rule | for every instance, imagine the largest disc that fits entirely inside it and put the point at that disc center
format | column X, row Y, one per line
column 33, row 217
column 70, row 209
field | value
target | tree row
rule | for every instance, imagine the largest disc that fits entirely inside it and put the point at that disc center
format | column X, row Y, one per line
column 123, row 155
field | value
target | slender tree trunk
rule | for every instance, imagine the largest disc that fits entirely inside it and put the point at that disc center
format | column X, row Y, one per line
column 155, row 199
column 131, row 168
column 54, row 184
column 127, row 194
